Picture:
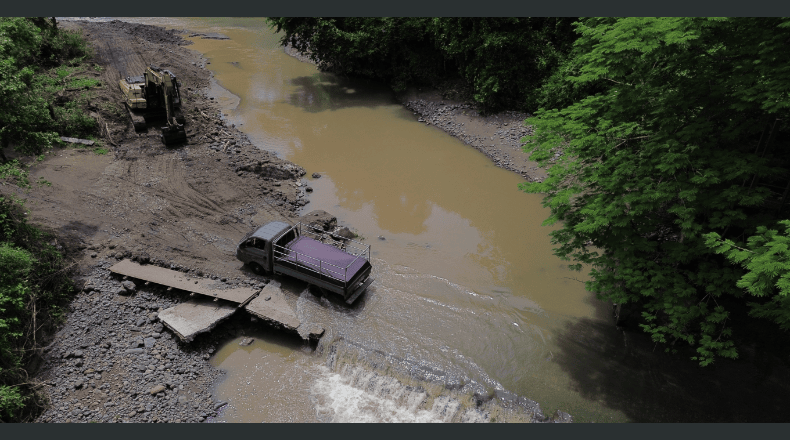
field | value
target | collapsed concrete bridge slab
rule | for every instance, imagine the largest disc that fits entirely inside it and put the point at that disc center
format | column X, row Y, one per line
column 216, row 302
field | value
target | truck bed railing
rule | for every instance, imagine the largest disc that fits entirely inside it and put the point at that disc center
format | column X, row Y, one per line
column 322, row 268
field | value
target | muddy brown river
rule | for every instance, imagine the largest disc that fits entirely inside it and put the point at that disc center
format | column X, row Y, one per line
column 468, row 297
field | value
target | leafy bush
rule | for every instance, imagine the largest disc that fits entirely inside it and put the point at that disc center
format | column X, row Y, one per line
column 34, row 284
column 83, row 83
column 11, row 401
column 14, row 173
column 71, row 120
column 27, row 92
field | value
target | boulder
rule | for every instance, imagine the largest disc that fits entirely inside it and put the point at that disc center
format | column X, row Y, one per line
column 320, row 219
column 344, row 232
column 157, row 389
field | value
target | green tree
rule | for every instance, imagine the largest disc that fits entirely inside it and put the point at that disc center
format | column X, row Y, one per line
column 503, row 61
column 24, row 114
column 14, row 292
column 669, row 151
column 767, row 263
column 394, row 50
column 28, row 119
column 34, row 283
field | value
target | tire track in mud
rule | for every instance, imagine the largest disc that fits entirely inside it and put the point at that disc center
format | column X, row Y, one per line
column 181, row 194
column 121, row 54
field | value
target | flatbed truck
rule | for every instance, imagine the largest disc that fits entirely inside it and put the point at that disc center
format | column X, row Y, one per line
column 300, row 251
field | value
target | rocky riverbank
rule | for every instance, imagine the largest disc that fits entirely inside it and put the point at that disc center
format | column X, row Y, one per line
column 114, row 361
column 497, row 136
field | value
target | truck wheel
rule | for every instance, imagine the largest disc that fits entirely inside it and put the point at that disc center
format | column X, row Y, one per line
column 315, row 290
column 257, row 269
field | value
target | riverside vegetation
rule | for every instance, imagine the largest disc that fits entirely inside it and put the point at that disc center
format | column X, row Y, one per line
column 43, row 94
column 664, row 141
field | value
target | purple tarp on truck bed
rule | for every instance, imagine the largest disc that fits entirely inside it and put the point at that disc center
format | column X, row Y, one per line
column 311, row 251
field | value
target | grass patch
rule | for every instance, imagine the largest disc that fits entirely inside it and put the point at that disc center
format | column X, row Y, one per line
column 100, row 151
column 83, row 83
column 13, row 172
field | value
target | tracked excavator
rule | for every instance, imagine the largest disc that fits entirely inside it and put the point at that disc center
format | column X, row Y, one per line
column 152, row 95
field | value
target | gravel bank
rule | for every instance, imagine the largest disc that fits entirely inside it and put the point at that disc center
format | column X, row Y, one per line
column 114, row 362
column 497, row 136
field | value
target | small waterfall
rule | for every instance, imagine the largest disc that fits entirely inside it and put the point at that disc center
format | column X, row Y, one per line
column 358, row 395
column 361, row 386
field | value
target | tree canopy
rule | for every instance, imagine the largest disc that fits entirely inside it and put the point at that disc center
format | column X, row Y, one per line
column 503, row 61
column 28, row 46
column 684, row 141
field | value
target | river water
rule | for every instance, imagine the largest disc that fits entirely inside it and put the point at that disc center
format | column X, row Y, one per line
column 468, row 297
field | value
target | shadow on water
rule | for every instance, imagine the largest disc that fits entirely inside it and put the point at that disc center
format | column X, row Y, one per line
column 325, row 91
column 624, row 370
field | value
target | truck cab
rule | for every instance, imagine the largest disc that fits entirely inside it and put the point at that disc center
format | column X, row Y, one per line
column 256, row 249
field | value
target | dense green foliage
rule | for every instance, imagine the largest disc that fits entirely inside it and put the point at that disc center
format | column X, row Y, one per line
column 34, row 280
column 34, row 285
column 31, row 75
column 682, row 147
column 767, row 267
column 503, row 61
column 14, row 292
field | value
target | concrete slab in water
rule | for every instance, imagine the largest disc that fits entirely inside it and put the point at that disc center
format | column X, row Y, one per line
column 193, row 317
column 271, row 306
column 310, row 331
column 178, row 280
